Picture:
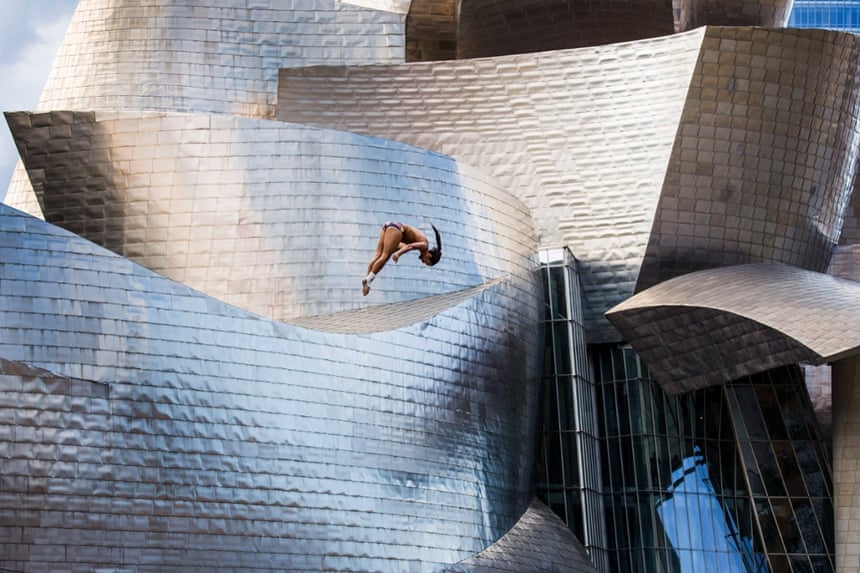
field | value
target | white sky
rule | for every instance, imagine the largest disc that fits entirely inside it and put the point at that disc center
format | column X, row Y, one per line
column 30, row 35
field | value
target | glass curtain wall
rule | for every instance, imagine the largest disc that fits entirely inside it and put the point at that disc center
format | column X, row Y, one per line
column 568, row 478
column 830, row 14
column 729, row 479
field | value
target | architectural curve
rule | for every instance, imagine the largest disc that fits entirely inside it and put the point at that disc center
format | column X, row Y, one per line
column 763, row 13
column 546, row 126
column 708, row 327
column 497, row 28
column 191, row 56
column 540, row 542
column 211, row 201
column 729, row 196
column 697, row 129
column 179, row 419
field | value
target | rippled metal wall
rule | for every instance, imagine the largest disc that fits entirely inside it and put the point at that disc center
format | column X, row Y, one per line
column 763, row 13
column 583, row 137
column 765, row 157
column 276, row 218
column 190, row 56
column 148, row 425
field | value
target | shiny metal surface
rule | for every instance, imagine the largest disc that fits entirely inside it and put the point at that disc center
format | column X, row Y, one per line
column 555, row 548
column 711, row 326
column 764, row 13
column 765, row 157
column 582, row 137
column 275, row 218
column 146, row 425
column 699, row 122
column 192, row 56
column 499, row 27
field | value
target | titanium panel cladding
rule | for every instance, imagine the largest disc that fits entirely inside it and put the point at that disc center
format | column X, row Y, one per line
column 279, row 219
column 149, row 426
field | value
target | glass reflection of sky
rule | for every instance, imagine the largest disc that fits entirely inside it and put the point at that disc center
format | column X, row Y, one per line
column 704, row 536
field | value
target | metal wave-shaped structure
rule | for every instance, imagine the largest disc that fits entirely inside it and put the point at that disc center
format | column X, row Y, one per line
column 191, row 380
column 148, row 424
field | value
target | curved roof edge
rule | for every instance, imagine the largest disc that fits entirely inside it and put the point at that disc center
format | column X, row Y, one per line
column 707, row 327
column 538, row 542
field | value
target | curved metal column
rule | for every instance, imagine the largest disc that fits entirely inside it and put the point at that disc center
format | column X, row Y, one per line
column 145, row 425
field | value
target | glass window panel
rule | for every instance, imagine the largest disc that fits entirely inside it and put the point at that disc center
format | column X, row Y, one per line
column 807, row 522
column 824, row 510
column 547, row 314
column 784, row 516
column 768, row 468
column 752, row 470
column 771, row 412
column 813, row 476
column 788, row 467
column 769, row 529
column 571, row 459
column 747, row 403
column 779, row 564
column 821, row 564
column 558, row 292
column 801, row 564
column 793, row 412
column 561, row 341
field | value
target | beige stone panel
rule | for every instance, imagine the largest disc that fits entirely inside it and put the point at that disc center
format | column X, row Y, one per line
column 846, row 462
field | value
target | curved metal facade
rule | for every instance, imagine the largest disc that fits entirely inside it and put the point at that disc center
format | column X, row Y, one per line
column 192, row 381
column 149, row 425
column 704, row 328
column 276, row 218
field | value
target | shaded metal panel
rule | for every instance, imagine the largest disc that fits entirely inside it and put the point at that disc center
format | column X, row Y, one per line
column 276, row 218
column 712, row 326
column 495, row 28
column 582, row 137
column 766, row 153
column 145, row 425
column 538, row 543
column 764, row 13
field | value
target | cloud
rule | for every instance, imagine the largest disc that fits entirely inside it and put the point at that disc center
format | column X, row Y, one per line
column 30, row 35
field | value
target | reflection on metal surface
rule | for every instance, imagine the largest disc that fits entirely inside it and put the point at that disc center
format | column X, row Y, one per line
column 499, row 27
column 282, row 219
column 139, row 404
column 764, row 13
column 687, row 152
column 711, row 326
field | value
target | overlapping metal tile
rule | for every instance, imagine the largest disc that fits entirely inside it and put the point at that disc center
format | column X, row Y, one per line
column 704, row 328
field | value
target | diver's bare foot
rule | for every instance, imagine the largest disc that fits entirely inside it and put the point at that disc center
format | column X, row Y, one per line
column 365, row 288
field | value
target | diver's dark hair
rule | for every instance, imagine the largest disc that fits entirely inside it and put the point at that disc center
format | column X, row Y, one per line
column 436, row 254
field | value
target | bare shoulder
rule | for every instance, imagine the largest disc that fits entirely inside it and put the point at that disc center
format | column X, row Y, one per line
column 412, row 234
